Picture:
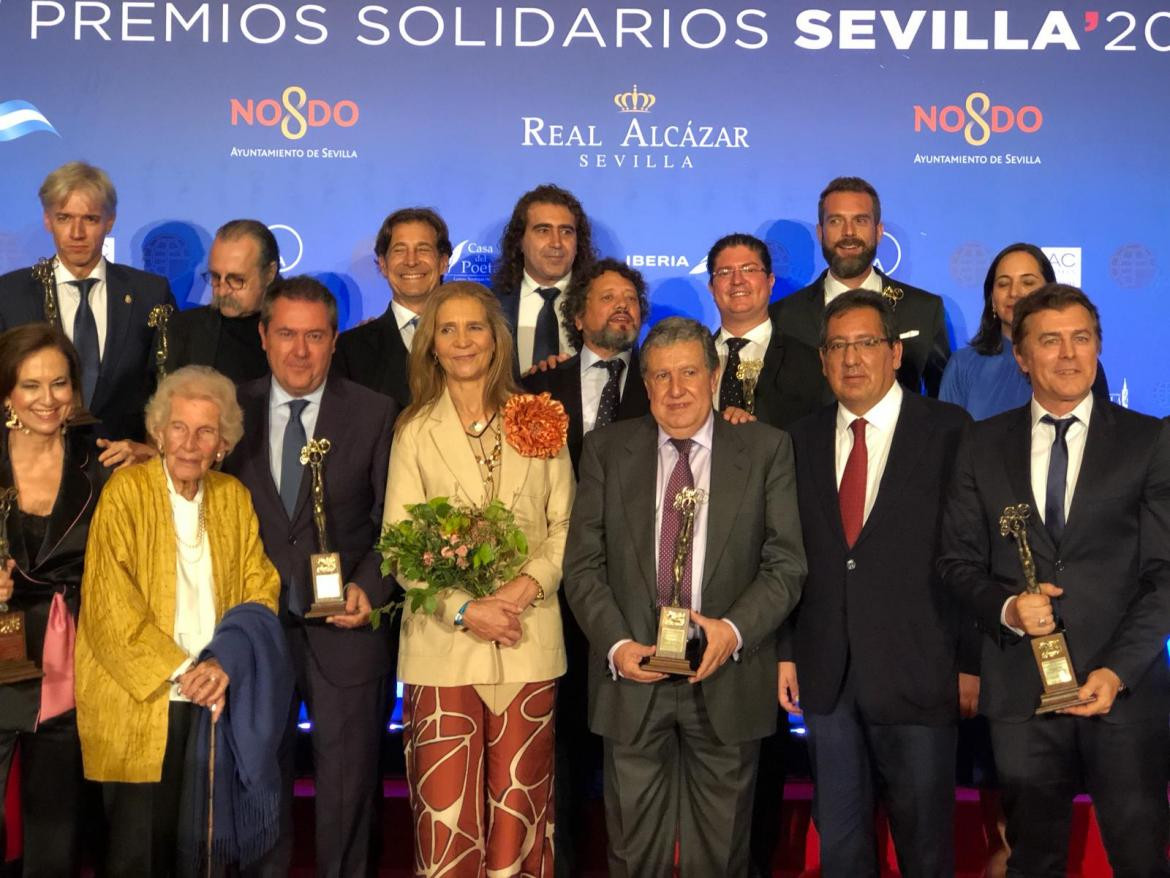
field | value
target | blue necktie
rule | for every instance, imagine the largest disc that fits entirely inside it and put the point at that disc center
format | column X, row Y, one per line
column 1054, row 493
column 547, row 340
column 85, row 339
column 290, row 456
column 611, row 393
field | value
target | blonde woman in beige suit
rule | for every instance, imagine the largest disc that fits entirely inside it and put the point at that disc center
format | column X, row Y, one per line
column 480, row 673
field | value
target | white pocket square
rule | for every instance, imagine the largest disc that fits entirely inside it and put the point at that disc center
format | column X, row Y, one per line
column 909, row 333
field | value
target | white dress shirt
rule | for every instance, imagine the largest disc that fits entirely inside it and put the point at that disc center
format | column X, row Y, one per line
column 758, row 339
column 69, row 297
column 593, row 382
column 880, row 422
column 530, row 304
column 278, row 414
column 194, row 582
column 834, row 287
column 403, row 317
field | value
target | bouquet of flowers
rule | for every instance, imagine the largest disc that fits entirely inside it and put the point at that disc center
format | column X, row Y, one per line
column 444, row 545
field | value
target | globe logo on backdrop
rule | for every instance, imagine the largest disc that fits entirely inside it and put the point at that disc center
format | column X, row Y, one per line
column 1133, row 266
column 889, row 254
column 471, row 261
column 292, row 247
column 167, row 255
column 969, row 263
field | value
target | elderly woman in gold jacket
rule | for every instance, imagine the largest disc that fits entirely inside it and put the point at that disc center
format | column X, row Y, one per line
column 173, row 546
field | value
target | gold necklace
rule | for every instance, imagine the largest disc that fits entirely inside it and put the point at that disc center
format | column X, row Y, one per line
column 488, row 461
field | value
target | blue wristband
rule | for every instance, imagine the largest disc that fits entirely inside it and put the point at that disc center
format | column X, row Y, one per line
column 459, row 615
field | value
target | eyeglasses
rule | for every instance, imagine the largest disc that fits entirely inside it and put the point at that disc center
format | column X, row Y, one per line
column 746, row 270
column 234, row 282
column 868, row 344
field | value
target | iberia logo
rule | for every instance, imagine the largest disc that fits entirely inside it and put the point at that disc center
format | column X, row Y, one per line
column 978, row 118
column 295, row 112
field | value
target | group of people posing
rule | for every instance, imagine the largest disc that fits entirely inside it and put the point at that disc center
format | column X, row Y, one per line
column 817, row 486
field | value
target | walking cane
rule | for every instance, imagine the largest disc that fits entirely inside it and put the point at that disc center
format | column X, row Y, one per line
column 210, row 794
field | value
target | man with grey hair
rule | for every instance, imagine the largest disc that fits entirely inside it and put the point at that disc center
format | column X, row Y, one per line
column 681, row 750
column 243, row 265
column 103, row 307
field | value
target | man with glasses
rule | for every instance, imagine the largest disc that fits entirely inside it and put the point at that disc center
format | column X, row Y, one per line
column 849, row 227
column 870, row 653
column 243, row 264
column 788, row 380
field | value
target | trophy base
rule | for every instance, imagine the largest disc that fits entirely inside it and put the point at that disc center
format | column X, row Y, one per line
column 321, row 609
column 660, row 664
column 1050, row 702
column 18, row 671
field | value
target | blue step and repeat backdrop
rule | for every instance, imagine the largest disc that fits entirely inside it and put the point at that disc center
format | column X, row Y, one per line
column 674, row 123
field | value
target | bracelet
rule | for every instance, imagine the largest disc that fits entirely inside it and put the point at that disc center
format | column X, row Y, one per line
column 459, row 615
column 539, row 587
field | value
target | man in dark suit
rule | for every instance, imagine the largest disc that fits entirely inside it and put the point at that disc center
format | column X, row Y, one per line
column 874, row 640
column 413, row 248
column 244, row 262
column 789, row 382
column 547, row 239
column 849, row 227
column 680, row 753
column 102, row 306
column 1097, row 479
column 342, row 665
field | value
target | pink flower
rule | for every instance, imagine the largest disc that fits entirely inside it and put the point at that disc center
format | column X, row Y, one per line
column 461, row 563
column 453, row 539
column 428, row 559
column 461, row 551
column 447, row 552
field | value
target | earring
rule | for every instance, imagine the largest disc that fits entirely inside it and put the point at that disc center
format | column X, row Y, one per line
column 13, row 421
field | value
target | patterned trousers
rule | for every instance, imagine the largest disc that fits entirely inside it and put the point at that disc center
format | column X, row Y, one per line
column 463, row 761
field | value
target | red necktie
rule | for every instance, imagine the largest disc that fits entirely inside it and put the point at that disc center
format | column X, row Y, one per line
column 851, row 494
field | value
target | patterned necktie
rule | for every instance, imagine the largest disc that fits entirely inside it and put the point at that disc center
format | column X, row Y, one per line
column 851, row 494
column 411, row 327
column 611, row 393
column 730, row 387
column 547, row 341
column 85, row 339
column 290, row 455
column 680, row 477
column 1054, row 493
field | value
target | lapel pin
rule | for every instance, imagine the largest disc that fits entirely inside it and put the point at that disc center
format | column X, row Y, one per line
column 128, row 299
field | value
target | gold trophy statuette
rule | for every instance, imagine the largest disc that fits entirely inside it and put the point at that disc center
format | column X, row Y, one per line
column 328, row 590
column 160, row 316
column 43, row 274
column 14, row 661
column 674, row 621
column 749, row 373
column 1049, row 650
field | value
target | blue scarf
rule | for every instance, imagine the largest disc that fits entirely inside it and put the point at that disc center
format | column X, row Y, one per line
column 249, row 644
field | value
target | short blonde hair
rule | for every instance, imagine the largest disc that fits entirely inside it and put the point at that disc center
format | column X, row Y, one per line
column 74, row 176
column 197, row 382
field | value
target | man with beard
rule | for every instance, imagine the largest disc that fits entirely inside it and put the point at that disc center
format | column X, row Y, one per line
column 413, row 249
column 849, row 227
column 546, row 240
column 244, row 262
column 601, row 315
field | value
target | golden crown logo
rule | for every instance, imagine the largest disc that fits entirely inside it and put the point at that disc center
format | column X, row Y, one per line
column 634, row 101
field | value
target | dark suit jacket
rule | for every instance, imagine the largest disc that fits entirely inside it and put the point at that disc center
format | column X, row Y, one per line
column 1113, row 561
column 53, row 566
column 358, row 422
column 924, row 355
column 194, row 339
column 878, row 607
column 127, row 375
column 564, row 384
column 752, row 572
column 791, row 383
column 510, row 303
column 374, row 355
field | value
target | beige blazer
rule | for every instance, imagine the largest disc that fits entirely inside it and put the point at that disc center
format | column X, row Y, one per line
column 431, row 457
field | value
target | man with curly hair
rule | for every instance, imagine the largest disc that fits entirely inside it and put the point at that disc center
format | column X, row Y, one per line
column 546, row 241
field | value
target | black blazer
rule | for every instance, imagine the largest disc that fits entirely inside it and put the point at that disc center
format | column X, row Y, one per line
column 925, row 354
column 358, row 422
column 1113, row 561
column 752, row 570
column 54, row 566
column 564, row 384
column 193, row 338
column 879, row 607
column 510, row 304
column 792, row 383
column 375, row 356
column 127, row 376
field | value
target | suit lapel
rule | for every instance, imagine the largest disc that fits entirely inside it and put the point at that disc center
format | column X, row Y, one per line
column 822, row 455
column 912, row 433
column 450, row 441
column 256, row 447
column 119, row 305
column 773, row 359
column 73, row 498
column 728, row 485
column 1100, row 453
column 396, row 355
column 331, row 415
column 565, row 381
column 634, row 402
column 637, row 485
column 1019, row 473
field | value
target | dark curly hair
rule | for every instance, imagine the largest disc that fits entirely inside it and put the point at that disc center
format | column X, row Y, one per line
column 573, row 302
column 989, row 339
column 509, row 271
